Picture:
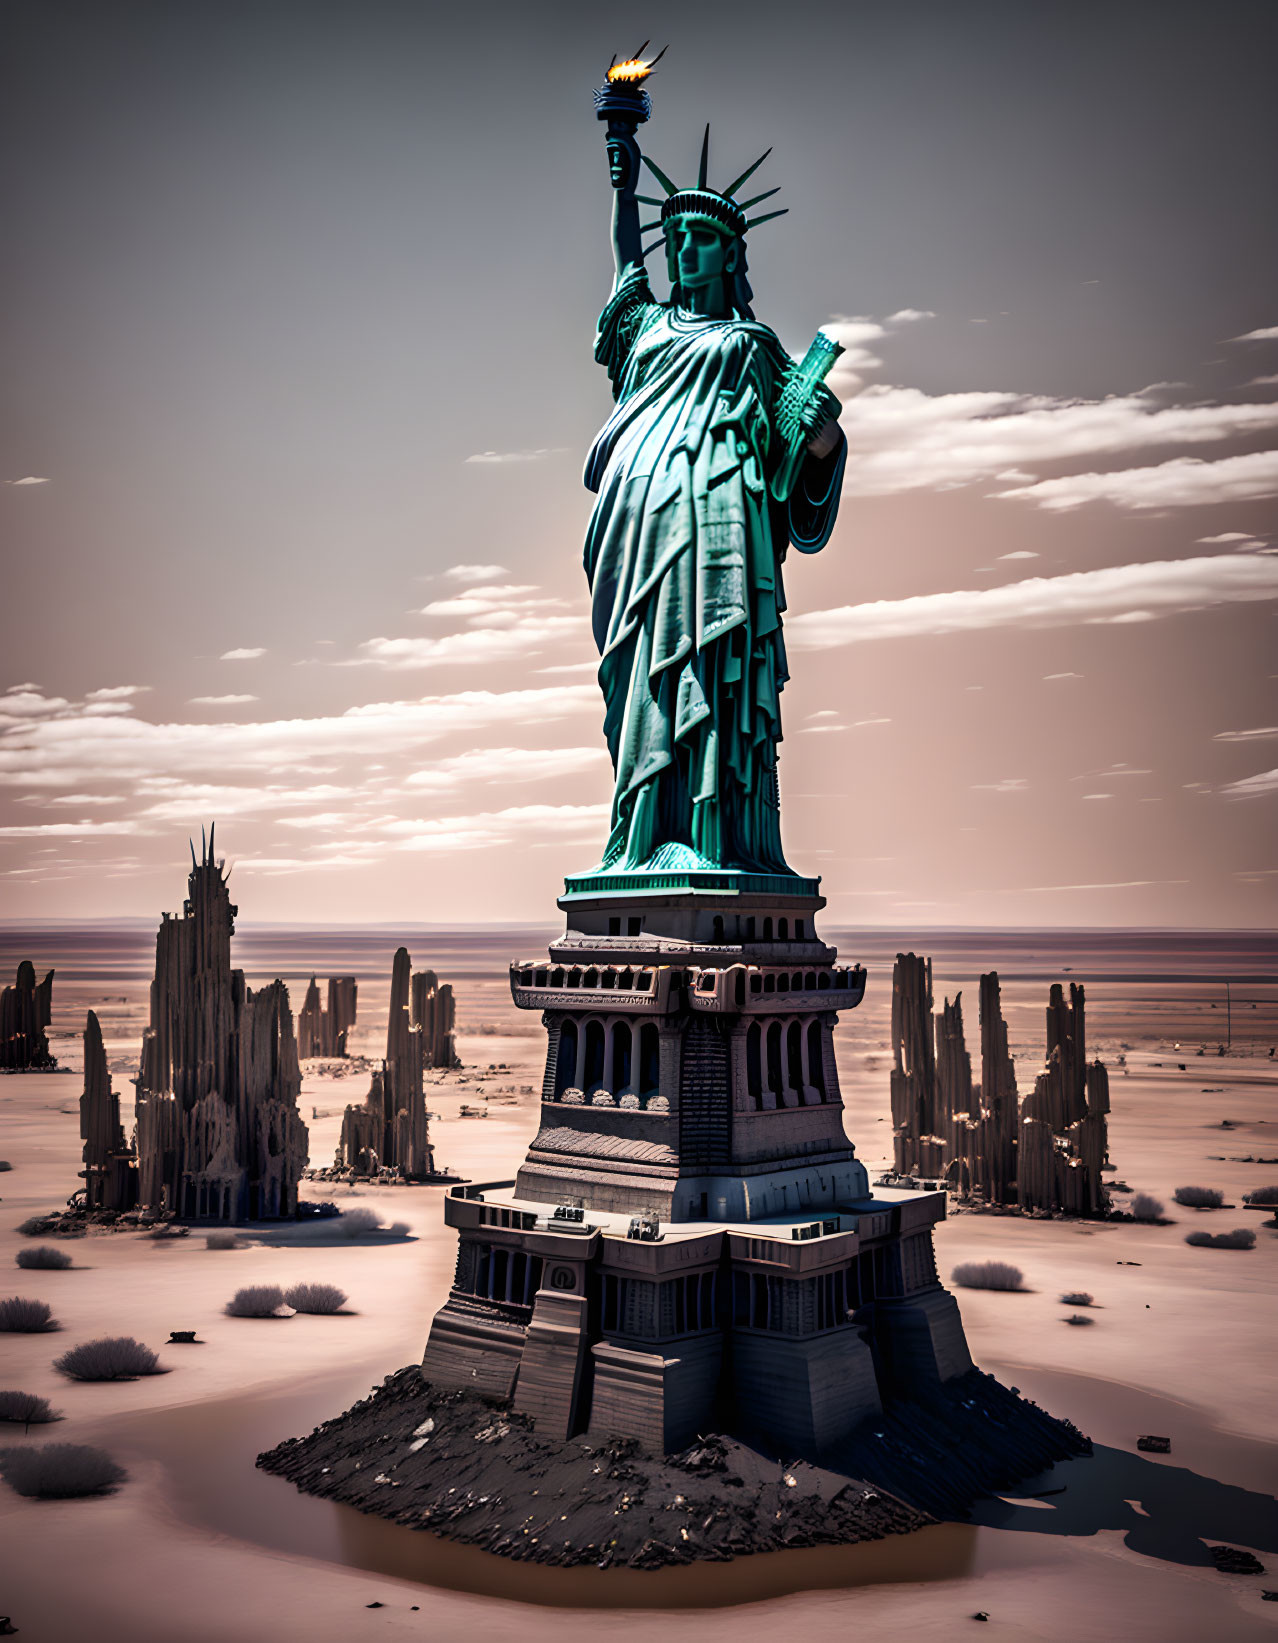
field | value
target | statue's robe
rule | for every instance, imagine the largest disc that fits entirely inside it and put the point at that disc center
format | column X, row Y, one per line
column 684, row 554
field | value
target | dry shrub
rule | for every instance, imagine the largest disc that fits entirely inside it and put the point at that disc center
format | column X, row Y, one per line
column 60, row 1471
column 399, row 1229
column 4, row 1165
column 988, row 1275
column 22, row 1317
column 1239, row 1238
column 1262, row 1195
column 25, row 1409
column 1079, row 1318
column 223, row 1240
column 257, row 1301
column 357, row 1222
column 110, row 1358
column 315, row 1298
column 1199, row 1197
column 1076, row 1297
column 32, row 1225
column 44, row 1257
column 1145, row 1207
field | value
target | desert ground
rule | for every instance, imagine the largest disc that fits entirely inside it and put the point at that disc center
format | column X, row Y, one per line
column 199, row 1546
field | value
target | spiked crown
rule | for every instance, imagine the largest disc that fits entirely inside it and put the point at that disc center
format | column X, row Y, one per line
column 711, row 205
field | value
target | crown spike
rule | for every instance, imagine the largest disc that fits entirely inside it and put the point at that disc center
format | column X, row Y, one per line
column 647, row 251
column 660, row 175
column 766, row 195
column 768, row 216
column 748, row 172
column 658, row 57
column 641, row 50
column 704, row 167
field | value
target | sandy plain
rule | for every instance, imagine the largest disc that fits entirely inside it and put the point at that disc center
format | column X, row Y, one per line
column 198, row 1545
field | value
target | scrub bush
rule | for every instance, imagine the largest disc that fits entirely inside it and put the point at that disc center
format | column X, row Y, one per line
column 44, row 1257
column 257, row 1301
column 1199, row 1197
column 1239, row 1238
column 60, row 1471
column 356, row 1222
column 1145, row 1207
column 988, row 1275
column 23, row 1317
column 110, row 1358
column 25, row 1409
column 315, row 1298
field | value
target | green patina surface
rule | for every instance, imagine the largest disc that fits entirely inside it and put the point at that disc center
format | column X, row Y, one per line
column 721, row 453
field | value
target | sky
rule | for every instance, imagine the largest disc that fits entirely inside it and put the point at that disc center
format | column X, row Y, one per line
column 297, row 326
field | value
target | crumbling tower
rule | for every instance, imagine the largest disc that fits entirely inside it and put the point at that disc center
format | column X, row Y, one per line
column 25, row 1012
column 219, row 1134
column 389, row 1129
column 323, row 1032
column 110, row 1164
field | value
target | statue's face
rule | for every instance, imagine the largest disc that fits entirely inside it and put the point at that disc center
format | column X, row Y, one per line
column 701, row 254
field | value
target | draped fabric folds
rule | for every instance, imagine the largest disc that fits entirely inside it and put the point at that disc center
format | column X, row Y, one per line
column 683, row 555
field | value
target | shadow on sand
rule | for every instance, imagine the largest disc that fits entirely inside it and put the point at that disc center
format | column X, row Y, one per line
column 1164, row 1511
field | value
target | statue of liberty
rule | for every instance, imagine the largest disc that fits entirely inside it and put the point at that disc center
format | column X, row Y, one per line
column 721, row 453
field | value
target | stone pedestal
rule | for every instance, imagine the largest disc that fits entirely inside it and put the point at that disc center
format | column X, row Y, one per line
column 691, row 1231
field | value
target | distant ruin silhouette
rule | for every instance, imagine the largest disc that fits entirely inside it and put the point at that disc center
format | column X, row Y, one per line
column 1044, row 1154
column 389, row 1129
column 25, row 1011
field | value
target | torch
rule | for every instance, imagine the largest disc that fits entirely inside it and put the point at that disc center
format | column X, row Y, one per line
column 625, row 105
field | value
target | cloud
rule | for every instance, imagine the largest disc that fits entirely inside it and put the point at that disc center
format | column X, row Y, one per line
column 1266, row 333
column 908, row 316
column 489, row 602
column 1252, row 787
column 30, row 479
column 232, row 699
column 1148, row 590
column 70, row 801
column 65, row 747
column 467, row 574
column 1266, row 734
column 1226, row 536
column 1262, row 382
column 493, row 829
column 1062, row 676
column 245, row 653
column 112, row 693
column 901, row 439
column 1049, row 889
column 1021, row 553
column 1184, row 482
column 518, row 456
column 507, row 764
column 522, row 636
column 69, row 830
column 1009, row 784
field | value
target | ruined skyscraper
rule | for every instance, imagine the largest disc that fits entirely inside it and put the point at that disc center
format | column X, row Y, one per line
column 25, row 1011
column 110, row 1164
column 389, row 1130
column 218, row 1130
column 1046, row 1156
column 323, row 1031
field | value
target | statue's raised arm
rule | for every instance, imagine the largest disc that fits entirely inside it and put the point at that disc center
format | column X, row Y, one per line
column 721, row 452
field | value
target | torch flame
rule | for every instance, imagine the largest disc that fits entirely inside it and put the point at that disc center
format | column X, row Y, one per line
column 630, row 72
